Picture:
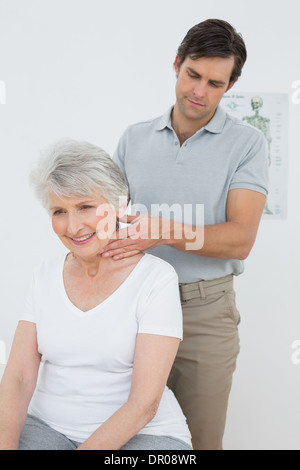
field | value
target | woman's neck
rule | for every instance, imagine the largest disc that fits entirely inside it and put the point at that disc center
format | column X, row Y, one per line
column 92, row 267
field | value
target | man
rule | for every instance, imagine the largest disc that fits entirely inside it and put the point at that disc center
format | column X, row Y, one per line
column 197, row 154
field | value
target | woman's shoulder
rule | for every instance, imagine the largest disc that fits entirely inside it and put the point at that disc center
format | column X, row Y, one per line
column 50, row 264
column 158, row 266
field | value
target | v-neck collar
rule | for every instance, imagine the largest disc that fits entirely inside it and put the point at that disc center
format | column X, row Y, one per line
column 102, row 304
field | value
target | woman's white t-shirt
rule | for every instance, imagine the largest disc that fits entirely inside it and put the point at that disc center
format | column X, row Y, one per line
column 88, row 356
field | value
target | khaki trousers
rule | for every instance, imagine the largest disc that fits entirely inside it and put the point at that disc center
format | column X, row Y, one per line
column 201, row 376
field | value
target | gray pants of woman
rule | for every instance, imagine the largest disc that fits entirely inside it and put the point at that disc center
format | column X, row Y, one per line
column 37, row 435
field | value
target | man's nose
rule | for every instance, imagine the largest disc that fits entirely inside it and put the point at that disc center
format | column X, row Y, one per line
column 200, row 90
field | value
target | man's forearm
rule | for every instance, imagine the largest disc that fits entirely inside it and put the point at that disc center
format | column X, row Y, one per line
column 228, row 240
column 233, row 239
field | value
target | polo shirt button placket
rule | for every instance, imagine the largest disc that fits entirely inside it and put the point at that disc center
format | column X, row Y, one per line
column 178, row 149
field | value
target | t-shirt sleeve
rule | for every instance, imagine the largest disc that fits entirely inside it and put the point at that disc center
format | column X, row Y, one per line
column 253, row 172
column 119, row 154
column 28, row 313
column 161, row 313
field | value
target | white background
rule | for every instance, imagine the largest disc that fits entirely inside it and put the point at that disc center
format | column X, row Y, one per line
column 86, row 69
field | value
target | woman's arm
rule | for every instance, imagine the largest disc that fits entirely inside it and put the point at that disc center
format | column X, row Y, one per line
column 154, row 357
column 18, row 384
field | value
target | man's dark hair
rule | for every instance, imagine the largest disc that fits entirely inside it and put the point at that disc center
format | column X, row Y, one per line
column 214, row 38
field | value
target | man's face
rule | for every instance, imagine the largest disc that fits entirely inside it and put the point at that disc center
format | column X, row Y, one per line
column 201, row 85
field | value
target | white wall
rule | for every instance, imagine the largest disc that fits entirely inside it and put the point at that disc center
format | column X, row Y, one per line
column 86, row 69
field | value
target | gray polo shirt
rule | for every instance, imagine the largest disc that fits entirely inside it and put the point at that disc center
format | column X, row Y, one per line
column 225, row 154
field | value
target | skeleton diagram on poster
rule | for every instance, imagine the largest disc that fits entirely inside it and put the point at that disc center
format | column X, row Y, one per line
column 269, row 113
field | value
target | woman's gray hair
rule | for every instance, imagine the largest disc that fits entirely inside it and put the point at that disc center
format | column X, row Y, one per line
column 73, row 168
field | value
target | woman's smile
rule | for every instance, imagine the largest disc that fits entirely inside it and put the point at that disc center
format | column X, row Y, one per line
column 84, row 239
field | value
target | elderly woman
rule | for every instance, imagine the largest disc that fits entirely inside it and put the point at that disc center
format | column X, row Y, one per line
column 106, row 332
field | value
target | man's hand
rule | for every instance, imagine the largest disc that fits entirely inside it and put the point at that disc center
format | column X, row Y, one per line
column 143, row 233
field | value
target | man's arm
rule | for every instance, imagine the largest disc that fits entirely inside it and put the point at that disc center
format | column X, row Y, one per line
column 232, row 239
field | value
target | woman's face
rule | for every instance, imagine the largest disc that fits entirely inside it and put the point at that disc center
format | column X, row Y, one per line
column 84, row 225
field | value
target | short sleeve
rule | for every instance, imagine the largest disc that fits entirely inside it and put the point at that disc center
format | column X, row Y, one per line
column 161, row 314
column 28, row 312
column 253, row 173
column 119, row 154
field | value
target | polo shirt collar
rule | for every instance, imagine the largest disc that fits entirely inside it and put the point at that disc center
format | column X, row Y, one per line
column 165, row 120
column 215, row 125
column 217, row 122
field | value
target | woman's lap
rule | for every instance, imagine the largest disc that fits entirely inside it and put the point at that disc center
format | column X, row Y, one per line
column 150, row 442
column 37, row 435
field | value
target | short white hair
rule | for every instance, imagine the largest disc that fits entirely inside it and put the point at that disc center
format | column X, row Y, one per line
column 72, row 168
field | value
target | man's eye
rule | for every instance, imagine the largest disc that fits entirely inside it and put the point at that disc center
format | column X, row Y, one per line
column 191, row 75
column 86, row 207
